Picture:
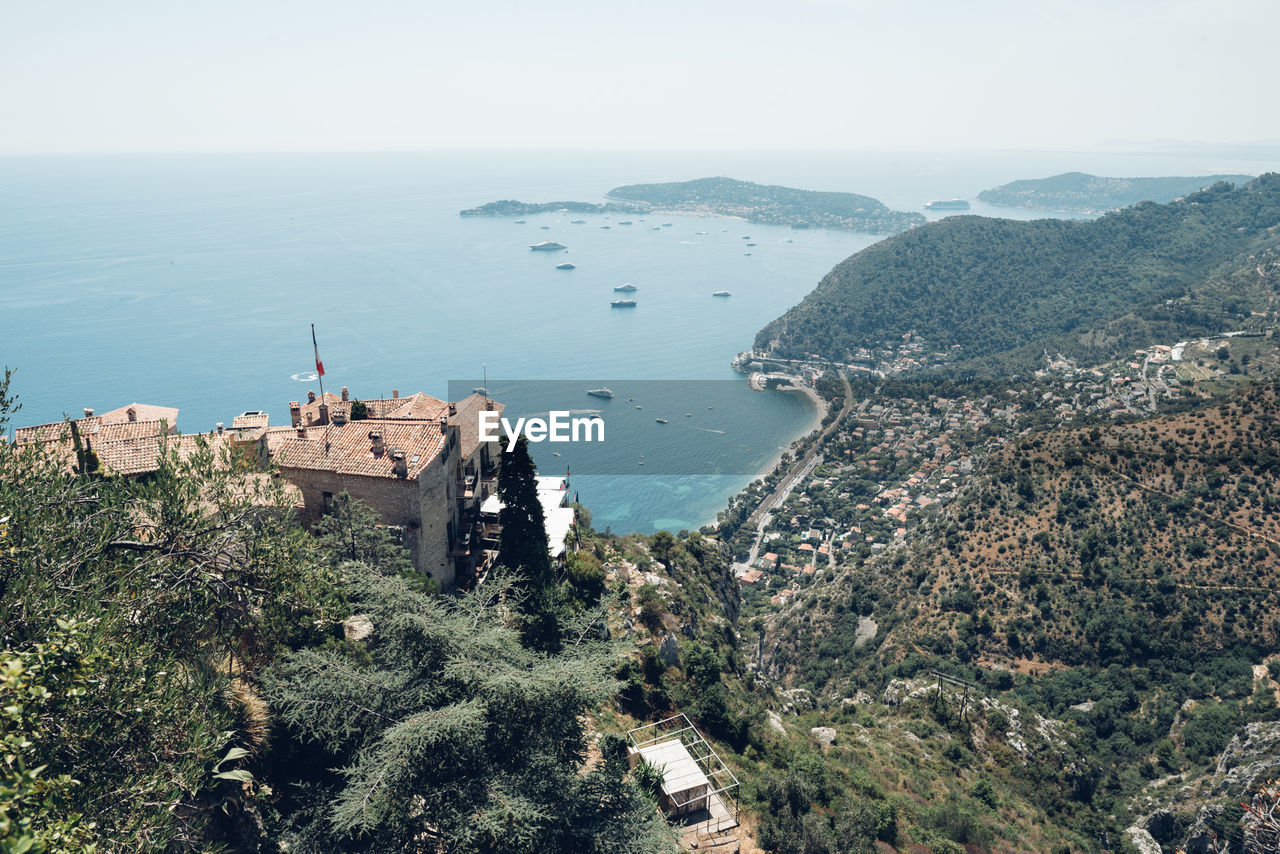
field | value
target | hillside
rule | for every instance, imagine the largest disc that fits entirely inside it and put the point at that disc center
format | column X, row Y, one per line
column 1079, row 192
column 770, row 204
column 1116, row 583
column 994, row 295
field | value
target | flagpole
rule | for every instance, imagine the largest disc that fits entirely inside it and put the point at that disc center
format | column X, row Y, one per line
column 324, row 407
column 319, row 369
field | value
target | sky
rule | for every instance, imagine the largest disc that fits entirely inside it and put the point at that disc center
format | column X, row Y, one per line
column 316, row 75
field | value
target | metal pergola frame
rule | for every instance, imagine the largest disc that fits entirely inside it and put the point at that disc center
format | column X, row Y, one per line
column 718, row 774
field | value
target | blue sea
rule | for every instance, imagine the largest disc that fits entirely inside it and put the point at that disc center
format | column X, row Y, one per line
column 192, row 280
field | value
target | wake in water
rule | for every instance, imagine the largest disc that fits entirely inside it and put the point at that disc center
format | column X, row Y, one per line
column 305, row 376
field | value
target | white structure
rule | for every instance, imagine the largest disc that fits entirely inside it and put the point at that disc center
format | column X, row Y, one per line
column 697, row 787
column 553, row 495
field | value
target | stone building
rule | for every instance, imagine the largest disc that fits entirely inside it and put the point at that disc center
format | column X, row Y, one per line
column 417, row 461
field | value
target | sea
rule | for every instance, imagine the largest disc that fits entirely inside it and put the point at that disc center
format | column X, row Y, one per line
column 193, row 281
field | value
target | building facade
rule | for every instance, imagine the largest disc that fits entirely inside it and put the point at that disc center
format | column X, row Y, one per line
column 417, row 461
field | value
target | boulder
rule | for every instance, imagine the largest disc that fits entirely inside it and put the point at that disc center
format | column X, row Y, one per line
column 824, row 735
column 357, row 627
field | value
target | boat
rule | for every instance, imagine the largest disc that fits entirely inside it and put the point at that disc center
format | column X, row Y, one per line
column 628, row 288
column 547, row 246
column 722, row 294
column 662, row 421
column 565, row 266
column 948, row 205
column 606, row 226
column 666, row 225
column 746, row 237
column 545, row 227
column 625, row 222
column 519, row 222
column 688, row 415
column 751, row 244
column 578, row 222
column 600, row 392
column 623, row 303
column 657, row 228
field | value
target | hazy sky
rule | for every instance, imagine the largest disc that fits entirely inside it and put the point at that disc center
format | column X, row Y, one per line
column 182, row 75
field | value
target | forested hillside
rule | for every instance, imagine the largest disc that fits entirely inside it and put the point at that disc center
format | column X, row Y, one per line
column 995, row 294
column 1121, row 579
column 1083, row 193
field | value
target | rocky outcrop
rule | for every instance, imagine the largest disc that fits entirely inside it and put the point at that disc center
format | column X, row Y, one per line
column 824, row 735
column 1143, row 841
column 1252, row 758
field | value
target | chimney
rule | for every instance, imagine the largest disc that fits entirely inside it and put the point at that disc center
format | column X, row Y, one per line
column 444, row 426
column 398, row 465
column 375, row 442
column 311, row 396
column 132, row 413
column 302, row 432
column 453, row 408
column 295, row 413
column 88, row 412
column 219, row 426
column 344, row 393
column 395, row 394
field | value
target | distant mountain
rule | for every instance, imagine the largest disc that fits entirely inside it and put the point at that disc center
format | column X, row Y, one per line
column 511, row 207
column 771, row 204
column 997, row 293
column 1080, row 192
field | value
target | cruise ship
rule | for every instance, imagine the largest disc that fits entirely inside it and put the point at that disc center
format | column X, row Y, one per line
column 948, row 205
column 722, row 294
column 547, row 246
column 600, row 392
column 628, row 288
column 623, row 303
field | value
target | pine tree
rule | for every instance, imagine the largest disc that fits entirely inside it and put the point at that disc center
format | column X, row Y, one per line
column 351, row 533
column 447, row 735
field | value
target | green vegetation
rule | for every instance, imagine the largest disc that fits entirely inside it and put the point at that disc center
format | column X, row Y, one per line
column 1083, row 193
column 771, row 204
column 183, row 668
column 994, row 295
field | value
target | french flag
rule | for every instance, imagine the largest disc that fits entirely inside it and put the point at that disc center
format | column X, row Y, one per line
column 319, row 364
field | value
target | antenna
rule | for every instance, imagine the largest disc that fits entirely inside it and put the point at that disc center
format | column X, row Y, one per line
column 485, row 370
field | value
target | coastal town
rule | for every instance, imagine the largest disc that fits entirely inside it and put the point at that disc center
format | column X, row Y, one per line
column 907, row 448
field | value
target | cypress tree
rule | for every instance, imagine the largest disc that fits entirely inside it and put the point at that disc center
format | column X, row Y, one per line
column 522, row 546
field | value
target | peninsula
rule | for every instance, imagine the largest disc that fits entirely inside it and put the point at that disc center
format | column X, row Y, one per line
column 511, row 207
column 761, row 203
column 770, row 204
column 1079, row 192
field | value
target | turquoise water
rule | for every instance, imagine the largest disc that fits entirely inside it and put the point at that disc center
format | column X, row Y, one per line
column 191, row 281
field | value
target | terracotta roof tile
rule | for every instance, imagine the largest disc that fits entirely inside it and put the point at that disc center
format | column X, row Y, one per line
column 467, row 420
column 249, row 419
column 348, row 448
column 141, row 412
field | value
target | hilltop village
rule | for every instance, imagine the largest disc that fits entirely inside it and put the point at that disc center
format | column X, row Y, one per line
column 416, row 461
